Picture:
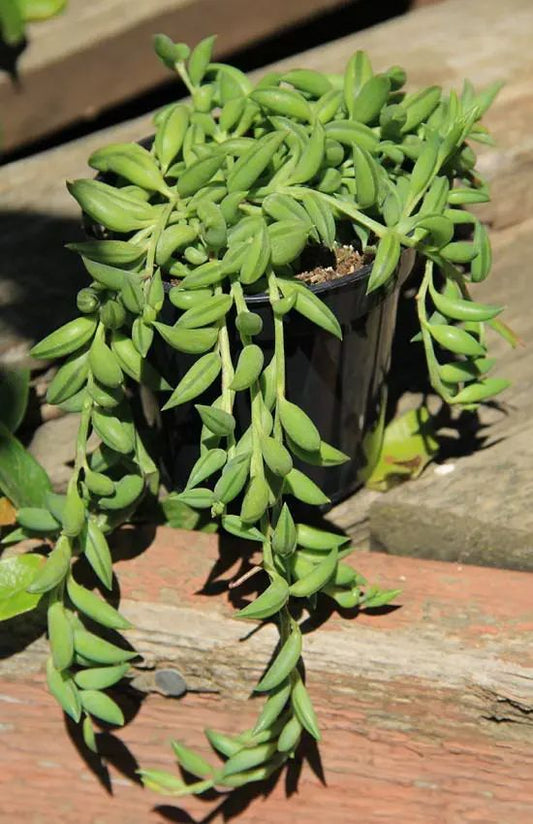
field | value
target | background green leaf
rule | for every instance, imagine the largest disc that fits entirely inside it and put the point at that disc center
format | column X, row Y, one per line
column 16, row 574
column 14, row 389
column 408, row 446
column 22, row 479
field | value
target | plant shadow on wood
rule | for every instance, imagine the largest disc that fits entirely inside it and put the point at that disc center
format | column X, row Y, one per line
column 9, row 56
column 111, row 749
column 39, row 277
column 18, row 633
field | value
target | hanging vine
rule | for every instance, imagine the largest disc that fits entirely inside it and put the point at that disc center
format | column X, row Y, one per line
column 237, row 183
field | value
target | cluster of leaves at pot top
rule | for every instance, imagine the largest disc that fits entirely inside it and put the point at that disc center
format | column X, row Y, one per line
column 238, row 182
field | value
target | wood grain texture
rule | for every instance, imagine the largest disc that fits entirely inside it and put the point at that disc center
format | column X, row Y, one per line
column 425, row 711
column 100, row 54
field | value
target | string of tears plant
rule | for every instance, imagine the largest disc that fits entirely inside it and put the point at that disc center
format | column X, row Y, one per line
column 238, row 182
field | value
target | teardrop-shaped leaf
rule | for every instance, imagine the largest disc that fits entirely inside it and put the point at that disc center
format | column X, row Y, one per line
column 319, row 539
column 304, row 488
column 131, row 161
column 276, row 456
column 423, row 171
column 317, row 577
column 198, row 174
column 285, row 535
column 234, row 525
column 463, row 309
column 357, row 72
column 192, row 341
column 303, row 707
column 216, row 420
column 481, row 265
column 66, row 339
column 283, row 102
column 366, row 177
column 386, row 260
column 196, row 380
column 460, row 251
column 299, row 426
column 207, row 464
column 211, row 310
column 257, row 257
column 287, row 240
column 254, row 162
column 198, row 498
column 268, row 603
column 284, row 662
column 55, row 568
column 200, row 58
column 456, row 340
column 311, row 307
column 255, row 500
column 321, row 216
column 107, row 205
column 102, row 706
column 369, row 101
column 233, row 477
column 248, row 368
column 476, row 392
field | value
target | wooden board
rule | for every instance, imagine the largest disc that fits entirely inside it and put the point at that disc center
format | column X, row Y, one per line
column 99, row 54
column 426, row 711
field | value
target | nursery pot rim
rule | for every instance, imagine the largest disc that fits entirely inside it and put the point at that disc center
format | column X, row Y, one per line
column 405, row 266
column 363, row 273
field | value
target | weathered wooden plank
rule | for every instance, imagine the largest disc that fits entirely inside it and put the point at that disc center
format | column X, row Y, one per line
column 453, row 630
column 425, row 711
column 99, row 54
column 375, row 771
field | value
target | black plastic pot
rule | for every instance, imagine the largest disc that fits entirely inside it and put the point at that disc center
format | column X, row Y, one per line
column 341, row 384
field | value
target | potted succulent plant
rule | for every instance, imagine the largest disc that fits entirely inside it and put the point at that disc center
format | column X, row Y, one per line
column 263, row 225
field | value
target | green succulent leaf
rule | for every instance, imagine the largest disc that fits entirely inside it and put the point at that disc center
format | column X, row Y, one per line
column 268, row 603
column 311, row 307
column 196, row 380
